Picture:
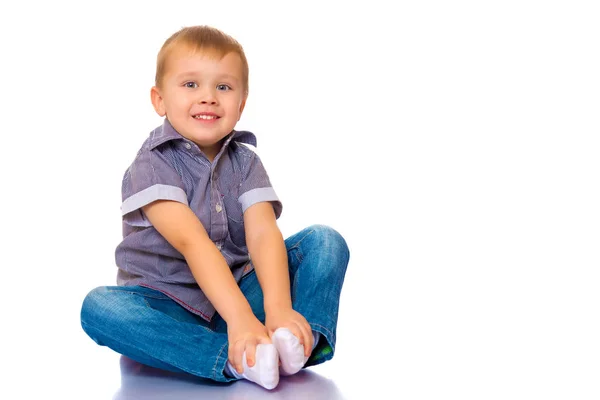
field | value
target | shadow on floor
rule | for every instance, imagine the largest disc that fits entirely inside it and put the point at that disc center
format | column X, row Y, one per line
column 140, row 382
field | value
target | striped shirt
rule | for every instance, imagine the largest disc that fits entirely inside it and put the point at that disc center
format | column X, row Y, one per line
column 171, row 167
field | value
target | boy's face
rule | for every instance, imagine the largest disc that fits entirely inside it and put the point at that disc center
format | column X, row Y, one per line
column 201, row 96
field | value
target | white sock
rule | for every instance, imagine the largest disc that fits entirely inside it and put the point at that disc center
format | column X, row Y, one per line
column 291, row 352
column 265, row 370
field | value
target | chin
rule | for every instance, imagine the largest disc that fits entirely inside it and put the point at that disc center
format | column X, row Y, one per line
column 206, row 141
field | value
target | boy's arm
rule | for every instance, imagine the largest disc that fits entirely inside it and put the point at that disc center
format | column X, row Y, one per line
column 178, row 224
column 181, row 228
column 269, row 257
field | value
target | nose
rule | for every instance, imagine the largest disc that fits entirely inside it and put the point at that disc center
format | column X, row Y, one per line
column 207, row 96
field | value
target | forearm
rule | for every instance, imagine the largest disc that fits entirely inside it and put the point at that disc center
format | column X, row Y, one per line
column 182, row 229
column 216, row 280
column 269, row 256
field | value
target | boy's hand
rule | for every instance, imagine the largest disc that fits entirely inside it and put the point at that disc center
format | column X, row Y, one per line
column 244, row 334
column 295, row 322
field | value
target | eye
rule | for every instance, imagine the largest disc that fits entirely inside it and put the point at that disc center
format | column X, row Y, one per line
column 191, row 85
column 223, row 87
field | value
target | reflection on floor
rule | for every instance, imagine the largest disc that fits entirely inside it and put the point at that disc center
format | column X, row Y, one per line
column 140, row 382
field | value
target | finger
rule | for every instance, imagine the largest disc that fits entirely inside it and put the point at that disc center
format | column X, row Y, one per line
column 296, row 331
column 307, row 339
column 250, row 353
column 300, row 334
column 230, row 357
column 238, row 354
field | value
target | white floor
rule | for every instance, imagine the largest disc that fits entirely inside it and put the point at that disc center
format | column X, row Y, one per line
column 141, row 383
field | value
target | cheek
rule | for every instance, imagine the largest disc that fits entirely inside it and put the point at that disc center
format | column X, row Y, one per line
column 179, row 105
column 236, row 105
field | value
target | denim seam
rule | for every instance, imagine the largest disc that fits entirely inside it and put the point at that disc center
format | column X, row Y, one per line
column 324, row 328
column 297, row 244
column 217, row 361
column 298, row 254
column 139, row 294
column 243, row 278
column 299, row 257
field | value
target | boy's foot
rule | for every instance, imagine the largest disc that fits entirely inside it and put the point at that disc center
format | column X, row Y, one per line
column 265, row 371
column 291, row 352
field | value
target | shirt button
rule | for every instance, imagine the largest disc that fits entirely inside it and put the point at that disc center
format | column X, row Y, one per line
column 219, row 208
column 188, row 146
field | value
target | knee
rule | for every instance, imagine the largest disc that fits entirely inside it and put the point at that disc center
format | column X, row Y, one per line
column 94, row 306
column 331, row 242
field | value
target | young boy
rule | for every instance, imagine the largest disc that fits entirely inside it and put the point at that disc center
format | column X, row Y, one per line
column 206, row 283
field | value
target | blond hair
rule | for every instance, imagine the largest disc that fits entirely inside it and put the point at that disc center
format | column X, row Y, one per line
column 200, row 38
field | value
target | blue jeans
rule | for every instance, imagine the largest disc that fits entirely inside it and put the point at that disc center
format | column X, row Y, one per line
column 147, row 326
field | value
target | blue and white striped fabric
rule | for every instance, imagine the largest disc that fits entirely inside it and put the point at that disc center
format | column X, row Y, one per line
column 171, row 167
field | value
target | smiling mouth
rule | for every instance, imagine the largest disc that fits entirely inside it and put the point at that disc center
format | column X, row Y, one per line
column 206, row 117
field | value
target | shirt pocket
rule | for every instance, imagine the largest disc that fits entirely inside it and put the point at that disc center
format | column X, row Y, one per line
column 233, row 208
column 230, row 193
column 235, row 219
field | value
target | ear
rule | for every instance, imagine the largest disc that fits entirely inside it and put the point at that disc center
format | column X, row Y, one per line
column 157, row 101
column 242, row 105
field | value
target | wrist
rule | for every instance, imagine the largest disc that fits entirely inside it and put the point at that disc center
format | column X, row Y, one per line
column 237, row 315
column 276, row 305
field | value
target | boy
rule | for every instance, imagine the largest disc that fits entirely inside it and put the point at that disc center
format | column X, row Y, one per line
column 197, row 207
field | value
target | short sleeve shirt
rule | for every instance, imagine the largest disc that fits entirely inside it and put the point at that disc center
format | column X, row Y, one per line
column 171, row 167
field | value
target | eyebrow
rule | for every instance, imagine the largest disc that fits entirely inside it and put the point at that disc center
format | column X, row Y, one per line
column 193, row 74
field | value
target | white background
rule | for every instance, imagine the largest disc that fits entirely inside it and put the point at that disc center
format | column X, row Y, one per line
column 454, row 144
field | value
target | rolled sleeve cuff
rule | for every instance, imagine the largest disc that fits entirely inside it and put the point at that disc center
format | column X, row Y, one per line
column 153, row 193
column 258, row 195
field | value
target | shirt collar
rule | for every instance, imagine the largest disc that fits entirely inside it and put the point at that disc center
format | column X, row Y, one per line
column 166, row 132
